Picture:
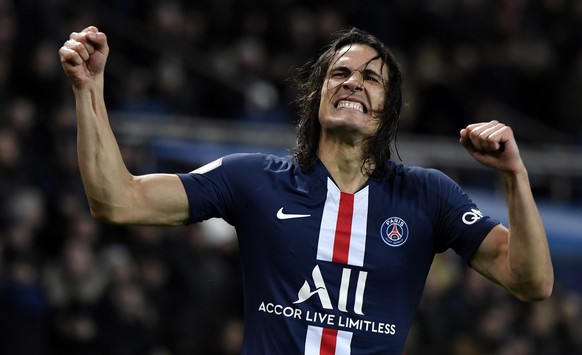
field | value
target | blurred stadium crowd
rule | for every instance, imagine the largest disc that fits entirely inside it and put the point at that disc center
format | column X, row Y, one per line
column 70, row 285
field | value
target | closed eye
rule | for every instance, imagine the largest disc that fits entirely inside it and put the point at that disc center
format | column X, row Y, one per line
column 339, row 73
column 367, row 74
column 373, row 76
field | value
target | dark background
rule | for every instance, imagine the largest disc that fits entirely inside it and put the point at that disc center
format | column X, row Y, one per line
column 70, row 285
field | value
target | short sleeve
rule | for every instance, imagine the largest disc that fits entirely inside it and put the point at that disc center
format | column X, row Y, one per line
column 216, row 188
column 461, row 226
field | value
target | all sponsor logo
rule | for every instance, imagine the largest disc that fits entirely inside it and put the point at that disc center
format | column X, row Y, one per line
column 349, row 319
column 321, row 291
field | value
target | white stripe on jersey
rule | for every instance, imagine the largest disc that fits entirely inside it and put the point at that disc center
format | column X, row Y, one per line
column 329, row 222
column 314, row 345
column 359, row 228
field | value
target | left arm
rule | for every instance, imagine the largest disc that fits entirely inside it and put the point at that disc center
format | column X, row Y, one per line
column 517, row 258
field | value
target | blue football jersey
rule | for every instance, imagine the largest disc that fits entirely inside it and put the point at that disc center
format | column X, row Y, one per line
column 327, row 272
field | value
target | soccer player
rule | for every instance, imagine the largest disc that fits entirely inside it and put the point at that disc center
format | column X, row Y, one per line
column 336, row 240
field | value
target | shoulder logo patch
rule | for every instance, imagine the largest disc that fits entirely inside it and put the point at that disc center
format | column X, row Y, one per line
column 472, row 216
column 394, row 231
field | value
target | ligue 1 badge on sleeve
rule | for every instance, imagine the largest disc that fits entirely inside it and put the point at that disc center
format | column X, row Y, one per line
column 394, row 231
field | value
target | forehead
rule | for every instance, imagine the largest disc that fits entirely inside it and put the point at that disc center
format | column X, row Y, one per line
column 359, row 56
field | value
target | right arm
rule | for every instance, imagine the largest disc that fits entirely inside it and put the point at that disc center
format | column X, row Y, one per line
column 114, row 194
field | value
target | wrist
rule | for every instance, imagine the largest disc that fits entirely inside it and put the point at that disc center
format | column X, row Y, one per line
column 514, row 176
column 89, row 85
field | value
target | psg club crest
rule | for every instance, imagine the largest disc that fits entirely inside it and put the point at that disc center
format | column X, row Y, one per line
column 394, row 231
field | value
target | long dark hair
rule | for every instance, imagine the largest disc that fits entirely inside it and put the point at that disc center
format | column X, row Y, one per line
column 377, row 149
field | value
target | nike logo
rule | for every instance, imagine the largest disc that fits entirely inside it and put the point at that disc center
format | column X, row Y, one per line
column 283, row 215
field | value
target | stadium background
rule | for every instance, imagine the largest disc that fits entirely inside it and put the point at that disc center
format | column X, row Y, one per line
column 189, row 81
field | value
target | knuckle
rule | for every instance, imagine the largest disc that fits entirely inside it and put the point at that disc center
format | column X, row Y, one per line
column 71, row 43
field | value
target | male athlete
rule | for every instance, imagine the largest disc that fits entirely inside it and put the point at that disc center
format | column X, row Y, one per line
column 336, row 241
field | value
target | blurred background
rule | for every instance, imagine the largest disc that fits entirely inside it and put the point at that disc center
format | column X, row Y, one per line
column 189, row 81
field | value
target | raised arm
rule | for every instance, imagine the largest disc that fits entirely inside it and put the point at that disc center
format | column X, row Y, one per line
column 114, row 194
column 517, row 258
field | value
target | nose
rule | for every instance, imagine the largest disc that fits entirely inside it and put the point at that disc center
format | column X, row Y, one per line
column 354, row 82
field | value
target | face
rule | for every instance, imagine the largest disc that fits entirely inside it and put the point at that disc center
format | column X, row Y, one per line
column 353, row 91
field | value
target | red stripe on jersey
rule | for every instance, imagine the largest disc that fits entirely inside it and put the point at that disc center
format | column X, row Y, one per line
column 323, row 341
column 328, row 341
column 343, row 230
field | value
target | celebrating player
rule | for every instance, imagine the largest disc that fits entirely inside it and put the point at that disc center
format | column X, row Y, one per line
column 337, row 239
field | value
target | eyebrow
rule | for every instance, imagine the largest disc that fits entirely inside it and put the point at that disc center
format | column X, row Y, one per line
column 366, row 71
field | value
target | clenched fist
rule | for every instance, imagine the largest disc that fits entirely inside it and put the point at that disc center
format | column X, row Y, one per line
column 493, row 145
column 84, row 56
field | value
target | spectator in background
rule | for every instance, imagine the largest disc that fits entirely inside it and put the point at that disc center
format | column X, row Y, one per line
column 23, row 304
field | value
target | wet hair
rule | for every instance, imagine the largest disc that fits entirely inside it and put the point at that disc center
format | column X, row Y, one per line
column 377, row 150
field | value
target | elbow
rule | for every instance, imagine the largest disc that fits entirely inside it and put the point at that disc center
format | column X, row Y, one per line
column 545, row 289
column 106, row 214
column 537, row 291
column 101, row 215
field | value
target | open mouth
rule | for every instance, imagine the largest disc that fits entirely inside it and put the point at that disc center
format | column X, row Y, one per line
column 352, row 105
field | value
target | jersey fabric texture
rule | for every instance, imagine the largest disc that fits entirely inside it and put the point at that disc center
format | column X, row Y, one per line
column 327, row 272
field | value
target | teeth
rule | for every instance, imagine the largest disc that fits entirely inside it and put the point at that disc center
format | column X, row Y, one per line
column 351, row 105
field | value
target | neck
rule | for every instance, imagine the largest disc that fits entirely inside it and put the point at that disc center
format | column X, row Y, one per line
column 344, row 164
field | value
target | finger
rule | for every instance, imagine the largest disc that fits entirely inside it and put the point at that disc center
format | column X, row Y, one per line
column 81, row 37
column 469, row 135
column 478, row 134
column 98, row 40
column 483, row 136
column 490, row 137
column 78, row 47
column 94, row 39
column 91, row 29
column 473, row 137
column 69, row 56
column 499, row 137
column 481, row 125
